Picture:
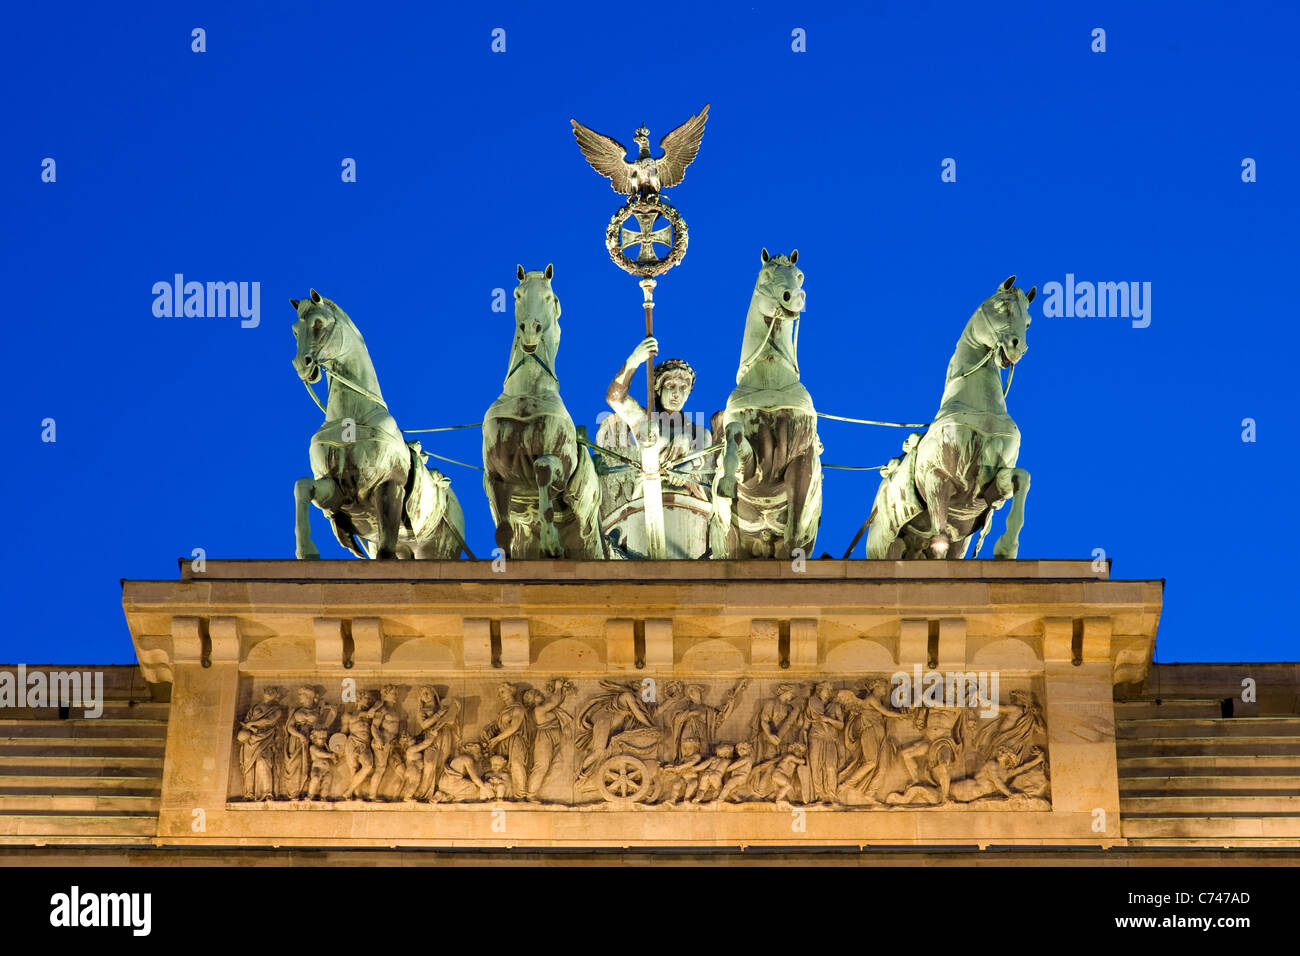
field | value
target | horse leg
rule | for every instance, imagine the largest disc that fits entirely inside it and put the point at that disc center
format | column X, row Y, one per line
column 549, row 471
column 880, row 536
column 782, row 434
column 722, row 533
column 324, row 492
column 582, row 496
column 765, row 460
column 797, row 481
column 1015, row 483
column 388, row 497
column 303, row 490
column 881, row 532
column 937, row 490
column 498, row 491
column 940, row 541
column 442, row 540
column 735, row 433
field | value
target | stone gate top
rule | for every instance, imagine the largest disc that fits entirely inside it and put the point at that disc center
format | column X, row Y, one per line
column 676, row 703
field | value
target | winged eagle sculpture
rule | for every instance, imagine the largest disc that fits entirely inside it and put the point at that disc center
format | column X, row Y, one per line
column 646, row 175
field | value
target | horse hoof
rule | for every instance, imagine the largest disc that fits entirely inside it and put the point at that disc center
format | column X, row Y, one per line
column 504, row 535
column 939, row 545
column 1006, row 551
column 307, row 554
column 551, row 546
column 727, row 488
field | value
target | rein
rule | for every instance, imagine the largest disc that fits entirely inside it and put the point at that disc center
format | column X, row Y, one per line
column 330, row 377
column 748, row 363
column 989, row 354
column 1011, row 373
column 536, row 358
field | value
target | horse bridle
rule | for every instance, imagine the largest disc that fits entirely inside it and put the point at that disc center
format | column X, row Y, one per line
column 536, row 358
column 990, row 353
column 332, row 375
column 772, row 321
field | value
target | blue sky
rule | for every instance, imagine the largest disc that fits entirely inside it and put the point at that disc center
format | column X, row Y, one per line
column 177, row 433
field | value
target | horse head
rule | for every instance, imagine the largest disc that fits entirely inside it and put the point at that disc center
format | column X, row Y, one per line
column 324, row 333
column 779, row 290
column 537, row 314
column 1001, row 323
column 771, row 326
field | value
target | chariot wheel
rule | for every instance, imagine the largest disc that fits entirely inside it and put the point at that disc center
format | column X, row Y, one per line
column 623, row 779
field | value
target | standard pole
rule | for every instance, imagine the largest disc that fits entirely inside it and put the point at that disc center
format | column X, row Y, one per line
column 648, row 287
column 651, row 480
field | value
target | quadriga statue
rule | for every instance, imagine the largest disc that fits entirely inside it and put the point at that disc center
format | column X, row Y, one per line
column 949, row 481
column 372, row 484
column 767, row 495
column 541, row 484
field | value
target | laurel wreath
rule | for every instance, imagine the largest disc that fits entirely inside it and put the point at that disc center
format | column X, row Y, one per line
column 657, row 267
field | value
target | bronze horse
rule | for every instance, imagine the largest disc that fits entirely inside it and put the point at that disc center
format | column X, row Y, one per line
column 381, row 500
column 541, row 484
column 948, row 483
column 767, row 497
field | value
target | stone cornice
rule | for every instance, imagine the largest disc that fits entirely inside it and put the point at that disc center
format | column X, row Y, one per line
column 596, row 617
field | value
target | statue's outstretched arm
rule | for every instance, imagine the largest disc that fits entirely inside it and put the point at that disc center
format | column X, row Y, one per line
column 626, row 407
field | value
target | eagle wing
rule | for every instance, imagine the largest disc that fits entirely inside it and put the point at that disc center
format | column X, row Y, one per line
column 607, row 155
column 680, row 147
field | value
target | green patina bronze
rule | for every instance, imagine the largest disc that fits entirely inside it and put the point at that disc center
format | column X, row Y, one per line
column 949, row 481
column 748, row 487
column 767, row 494
column 372, row 484
column 540, row 482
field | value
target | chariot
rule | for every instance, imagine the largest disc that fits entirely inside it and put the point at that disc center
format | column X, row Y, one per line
column 628, row 771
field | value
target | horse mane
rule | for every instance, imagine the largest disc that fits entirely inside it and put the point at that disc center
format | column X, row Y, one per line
column 347, row 319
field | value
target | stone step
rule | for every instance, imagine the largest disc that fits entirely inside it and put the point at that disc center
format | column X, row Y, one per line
column 34, row 827
column 1207, row 764
column 1169, row 727
column 109, row 708
column 1202, row 806
column 1208, row 785
column 119, row 682
column 107, row 749
column 96, row 763
column 68, row 784
column 1175, row 707
column 79, row 803
column 103, row 727
column 147, row 709
column 1227, row 828
column 1255, row 745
